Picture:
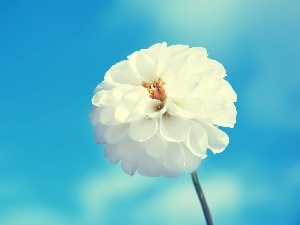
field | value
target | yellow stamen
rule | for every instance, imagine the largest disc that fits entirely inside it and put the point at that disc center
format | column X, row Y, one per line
column 156, row 89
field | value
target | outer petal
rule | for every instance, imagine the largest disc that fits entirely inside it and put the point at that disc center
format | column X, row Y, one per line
column 116, row 133
column 94, row 115
column 169, row 173
column 156, row 147
column 210, row 67
column 108, row 97
column 192, row 162
column 107, row 116
column 172, row 62
column 122, row 73
column 226, row 118
column 174, row 157
column 207, row 87
column 129, row 168
column 143, row 129
column 129, row 150
column 111, row 152
column 197, row 141
column 144, row 64
column 174, row 128
column 104, row 86
column 99, row 132
column 217, row 104
column 197, row 54
column 149, row 166
column 217, row 139
column 155, row 50
column 227, row 91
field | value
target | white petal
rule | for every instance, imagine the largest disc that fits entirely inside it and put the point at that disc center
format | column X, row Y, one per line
column 217, row 139
column 171, row 174
column 210, row 67
column 107, row 97
column 104, row 86
column 192, row 162
column 143, row 129
column 227, row 91
column 149, row 166
column 129, row 168
column 197, row 54
column 197, row 140
column 174, row 128
column 174, row 157
column 217, row 104
column 207, row 87
column 94, row 115
column 188, row 107
column 156, row 147
column 114, row 134
column 156, row 49
column 180, row 89
column 122, row 73
column 99, row 132
column 172, row 62
column 111, row 152
column 96, row 98
column 125, row 114
column 144, row 64
column 132, row 105
column 226, row 118
column 107, row 116
column 129, row 150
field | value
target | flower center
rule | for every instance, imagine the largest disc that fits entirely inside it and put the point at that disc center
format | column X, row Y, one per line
column 156, row 89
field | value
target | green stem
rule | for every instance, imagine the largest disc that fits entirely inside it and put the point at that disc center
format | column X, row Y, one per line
column 202, row 199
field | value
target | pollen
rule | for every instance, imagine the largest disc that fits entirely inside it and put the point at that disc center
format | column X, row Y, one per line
column 156, row 89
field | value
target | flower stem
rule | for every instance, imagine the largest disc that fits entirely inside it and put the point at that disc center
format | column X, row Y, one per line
column 202, row 199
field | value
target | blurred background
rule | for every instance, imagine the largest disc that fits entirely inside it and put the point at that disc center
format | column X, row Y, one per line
column 54, row 53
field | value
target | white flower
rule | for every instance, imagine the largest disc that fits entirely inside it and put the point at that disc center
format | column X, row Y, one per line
column 158, row 111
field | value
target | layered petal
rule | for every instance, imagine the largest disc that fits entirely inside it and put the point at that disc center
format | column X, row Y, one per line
column 129, row 150
column 149, row 166
column 174, row 157
column 129, row 168
column 114, row 134
column 144, row 64
column 122, row 73
column 104, row 86
column 107, row 116
column 94, row 115
column 156, row 147
column 197, row 141
column 111, row 152
column 143, row 129
column 217, row 139
column 188, row 107
column 99, row 131
column 174, row 128
column 226, row 118
column 192, row 161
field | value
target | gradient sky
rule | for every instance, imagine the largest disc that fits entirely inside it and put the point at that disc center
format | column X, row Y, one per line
column 54, row 53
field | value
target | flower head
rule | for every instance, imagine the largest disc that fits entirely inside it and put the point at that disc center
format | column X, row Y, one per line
column 158, row 111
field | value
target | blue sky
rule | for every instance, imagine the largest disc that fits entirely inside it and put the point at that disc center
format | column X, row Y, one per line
column 54, row 53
